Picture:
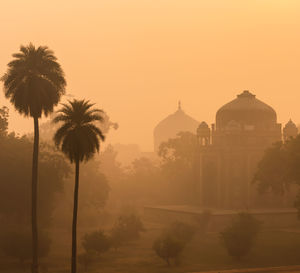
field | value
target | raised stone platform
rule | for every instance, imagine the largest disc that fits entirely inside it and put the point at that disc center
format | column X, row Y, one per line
column 271, row 218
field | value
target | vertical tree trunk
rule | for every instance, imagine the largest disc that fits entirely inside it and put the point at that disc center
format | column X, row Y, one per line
column 74, row 226
column 34, row 225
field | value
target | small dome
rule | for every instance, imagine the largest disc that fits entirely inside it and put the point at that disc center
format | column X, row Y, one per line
column 290, row 130
column 203, row 125
column 172, row 125
column 203, row 129
column 290, row 124
column 246, row 110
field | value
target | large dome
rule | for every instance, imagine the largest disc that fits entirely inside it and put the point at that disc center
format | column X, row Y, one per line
column 172, row 125
column 246, row 110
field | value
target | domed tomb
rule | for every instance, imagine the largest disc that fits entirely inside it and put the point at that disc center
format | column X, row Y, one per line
column 172, row 125
column 247, row 111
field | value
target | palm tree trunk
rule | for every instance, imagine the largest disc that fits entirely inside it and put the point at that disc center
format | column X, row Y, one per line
column 34, row 185
column 74, row 226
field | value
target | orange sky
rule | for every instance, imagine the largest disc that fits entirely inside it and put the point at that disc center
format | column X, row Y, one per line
column 137, row 58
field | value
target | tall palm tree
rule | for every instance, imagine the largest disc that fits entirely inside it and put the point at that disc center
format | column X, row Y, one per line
column 34, row 83
column 79, row 139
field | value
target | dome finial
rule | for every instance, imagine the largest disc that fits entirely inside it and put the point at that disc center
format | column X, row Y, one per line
column 179, row 105
column 246, row 94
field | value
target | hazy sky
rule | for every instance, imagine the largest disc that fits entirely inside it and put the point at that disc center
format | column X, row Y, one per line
column 137, row 58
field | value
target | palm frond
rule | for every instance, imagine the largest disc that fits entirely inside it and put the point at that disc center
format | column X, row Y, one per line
column 34, row 81
column 78, row 137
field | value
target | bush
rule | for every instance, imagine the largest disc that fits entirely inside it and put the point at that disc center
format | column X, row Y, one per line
column 173, row 240
column 168, row 247
column 96, row 242
column 117, row 237
column 18, row 244
column 181, row 231
column 127, row 228
column 239, row 237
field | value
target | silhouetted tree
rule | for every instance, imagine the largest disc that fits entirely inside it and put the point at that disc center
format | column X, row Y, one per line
column 168, row 247
column 128, row 227
column 34, row 84
column 181, row 231
column 173, row 240
column 273, row 170
column 239, row 237
column 279, row 169
column 96, row 242
column 15, row 190
column 79, row 139
column 17, row 244
column 178, row 164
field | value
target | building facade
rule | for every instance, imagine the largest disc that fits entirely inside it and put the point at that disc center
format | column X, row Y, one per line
column 229, row 151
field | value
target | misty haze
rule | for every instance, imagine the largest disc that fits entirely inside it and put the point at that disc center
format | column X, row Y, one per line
column 150, row 136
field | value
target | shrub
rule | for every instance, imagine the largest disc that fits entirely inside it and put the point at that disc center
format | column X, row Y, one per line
column 173, row 240
column 168, row 247
column 96, row 242
column 181, row 231
column 117, row 237
column 18, row 244
column 239, row 237
column 127, row 228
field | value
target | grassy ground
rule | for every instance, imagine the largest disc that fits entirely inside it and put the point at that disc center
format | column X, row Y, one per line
column 273, row 248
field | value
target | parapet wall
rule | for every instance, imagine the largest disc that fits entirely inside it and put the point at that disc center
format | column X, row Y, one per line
column 281, row 218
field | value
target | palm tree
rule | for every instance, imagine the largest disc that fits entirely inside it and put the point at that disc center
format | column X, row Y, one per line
column 34, row 83
column 79, row 139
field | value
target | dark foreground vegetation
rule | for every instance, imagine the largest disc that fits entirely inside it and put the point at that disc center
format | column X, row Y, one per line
column 272, row 248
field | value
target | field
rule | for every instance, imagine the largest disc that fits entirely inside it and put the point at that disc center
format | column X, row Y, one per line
column 273, row 248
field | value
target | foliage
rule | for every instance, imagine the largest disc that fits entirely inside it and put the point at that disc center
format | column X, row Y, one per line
column 128, row 227
column 143, row 180
column 182, row 148
column 34, row 81
column 178, row 157
column 273, row 170
column 78, row 137
column 109, row 165
column 3, row 121
column 181, row 231
column 279, row 168
column 17, row 244
column 94, row 194
column 239, row 237
column 168, row 247
column 96, row 241
column 170, row 244
column 95, row 190
column 15, row 183
column 117, row 237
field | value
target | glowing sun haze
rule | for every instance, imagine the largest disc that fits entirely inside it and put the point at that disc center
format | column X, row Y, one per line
column 137, row 58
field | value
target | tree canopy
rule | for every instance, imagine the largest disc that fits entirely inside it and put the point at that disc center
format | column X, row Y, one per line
column 15, row 181
column 279, row 169
column 34, row 81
